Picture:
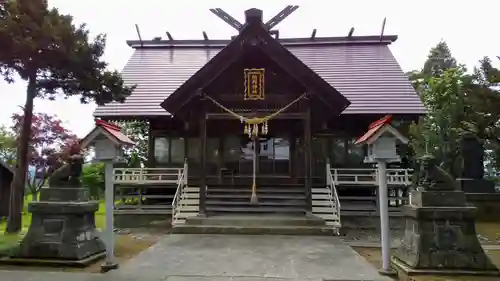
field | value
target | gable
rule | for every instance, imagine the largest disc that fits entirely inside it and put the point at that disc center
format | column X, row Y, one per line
column 255, row 35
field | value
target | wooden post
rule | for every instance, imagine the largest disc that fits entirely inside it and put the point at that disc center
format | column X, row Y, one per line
column 151, row 146
column 307, row 159
column 203, row 163
column 291, row 160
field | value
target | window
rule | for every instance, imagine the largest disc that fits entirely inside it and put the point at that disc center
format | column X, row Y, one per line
column 266, row 148
column 162, row 150
column 177, row 150
column 169, row 150
column 281, row 149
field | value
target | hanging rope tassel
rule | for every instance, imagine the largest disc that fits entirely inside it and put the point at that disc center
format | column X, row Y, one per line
column 254, row 199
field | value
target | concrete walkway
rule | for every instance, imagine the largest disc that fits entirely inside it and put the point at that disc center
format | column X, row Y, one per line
column 184, row 257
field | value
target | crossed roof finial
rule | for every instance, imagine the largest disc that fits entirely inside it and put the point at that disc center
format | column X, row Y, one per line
column 254, row 13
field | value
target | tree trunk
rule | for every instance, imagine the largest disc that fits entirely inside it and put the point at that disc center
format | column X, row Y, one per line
column 14, row 221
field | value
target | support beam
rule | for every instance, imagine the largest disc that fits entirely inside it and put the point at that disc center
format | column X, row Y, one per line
column 307, row 159
column 270, row 24
column 250, row 115
column 350, row 32
column 383, row 29
column 227, row 18
column 139, row 34
column 203, row 162
column 313, row 34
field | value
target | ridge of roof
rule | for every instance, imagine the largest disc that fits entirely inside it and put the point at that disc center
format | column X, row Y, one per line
column 301, row 41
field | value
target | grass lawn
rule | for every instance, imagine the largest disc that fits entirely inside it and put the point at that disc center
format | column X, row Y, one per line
column 373, row 256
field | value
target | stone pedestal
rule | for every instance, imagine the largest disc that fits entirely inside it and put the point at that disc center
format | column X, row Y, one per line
column 63, row 227
column 440, row 236
column 477, row 185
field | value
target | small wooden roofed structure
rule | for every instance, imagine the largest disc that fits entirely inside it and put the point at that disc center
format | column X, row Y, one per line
column 378, row 128
column 112, row 131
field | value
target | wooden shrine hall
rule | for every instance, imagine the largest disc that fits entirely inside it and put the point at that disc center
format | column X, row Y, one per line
column 258, row 124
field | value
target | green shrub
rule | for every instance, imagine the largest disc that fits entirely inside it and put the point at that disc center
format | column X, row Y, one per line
column 93, row 179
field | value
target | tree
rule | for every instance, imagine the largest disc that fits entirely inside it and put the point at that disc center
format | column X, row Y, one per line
column 483, row 97
column 46, row 147
column 8, row 144
column 438, row 131
column 55, row 57
column 439, row 60
column 136, row 155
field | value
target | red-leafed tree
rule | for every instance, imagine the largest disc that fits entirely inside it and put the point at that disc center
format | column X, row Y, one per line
column 47, row 146
column 55, row 57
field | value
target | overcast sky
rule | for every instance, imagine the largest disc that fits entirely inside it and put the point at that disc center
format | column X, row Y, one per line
column 467, row 26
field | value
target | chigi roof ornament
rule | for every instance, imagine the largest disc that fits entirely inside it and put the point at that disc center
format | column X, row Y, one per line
column 254, row 14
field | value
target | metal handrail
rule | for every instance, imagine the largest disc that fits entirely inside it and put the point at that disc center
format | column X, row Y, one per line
column 181, row 183
column 332, row 191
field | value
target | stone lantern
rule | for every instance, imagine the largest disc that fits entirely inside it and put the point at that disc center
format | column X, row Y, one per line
column 109, row 143
column 381, row 139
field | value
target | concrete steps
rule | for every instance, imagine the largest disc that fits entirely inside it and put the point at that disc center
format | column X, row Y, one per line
column 256, row 225
column 325, row 207
column 188, row 205
column 272, row 199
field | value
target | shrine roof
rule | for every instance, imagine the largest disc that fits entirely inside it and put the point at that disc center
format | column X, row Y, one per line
column 112, row 131
column 361, row 68
column 115, row 131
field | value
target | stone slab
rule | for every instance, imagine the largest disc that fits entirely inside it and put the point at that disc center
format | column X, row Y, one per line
column 438, row 198
column 477, row 185
column 52, row 262
column 187, row 257
column 409, row 271
column 65, row 194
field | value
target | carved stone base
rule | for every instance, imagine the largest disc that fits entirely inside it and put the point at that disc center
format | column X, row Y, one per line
column 62, row 230
column 477, row 185
column 442, row 239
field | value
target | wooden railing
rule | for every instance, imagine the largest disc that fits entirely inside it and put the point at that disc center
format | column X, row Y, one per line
column 368, row 176
column 135, row 189
column 147, row 175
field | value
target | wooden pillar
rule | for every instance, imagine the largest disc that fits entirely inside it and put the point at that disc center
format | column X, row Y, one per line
column 220, row 159
column 203, row 163
column 291, row 161
column 307, row 159
column 151, row 146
